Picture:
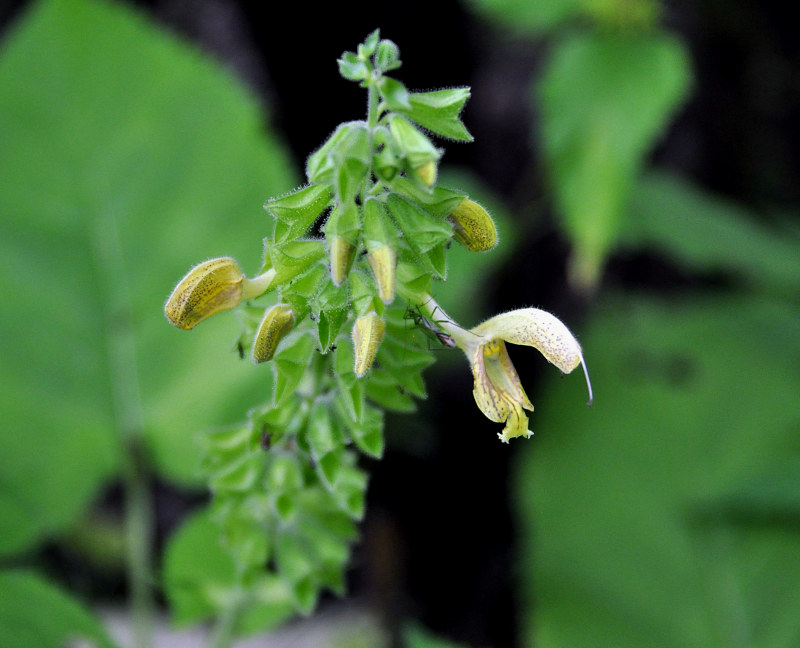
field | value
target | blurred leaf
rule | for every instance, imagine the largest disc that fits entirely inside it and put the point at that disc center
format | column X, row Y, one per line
column 36, row 614
column 126, row 158
column 547, row 15
column 415, row 636
column 439, row 112
column 696, row 405
column 605, row 99
column 672, row 215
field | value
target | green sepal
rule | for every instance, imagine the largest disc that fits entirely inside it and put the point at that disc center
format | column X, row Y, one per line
column 321, row 434
column 238, row 475
column 352, row 160
column 368, row 435
column 350, row 487
column 349, row 140
column 379, row 230
column 283, row 473
column 420, row 229
column 351, row 389
column 344, row 221
column 383, row 389
column 438, row 201
column 413, row 283
column 270, row 424
column 435, row 260
column 329, row 467
column 394, row 93
column 352, row 68
column 363, row 295
column 367, row 48
column 290, row 364
column 387, row 56
column 296, row 212
column 292, row 259
column 294, row 562
column 439, row 111
column 416, row 146
column 299, row 292
column 331, row 312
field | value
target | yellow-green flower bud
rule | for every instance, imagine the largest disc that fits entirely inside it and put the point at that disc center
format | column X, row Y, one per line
column 276, row 323
column 208, row 288
column 427, row 173
column 383, row 262
column 342, row 252
column 367, row 334
column 473, row 227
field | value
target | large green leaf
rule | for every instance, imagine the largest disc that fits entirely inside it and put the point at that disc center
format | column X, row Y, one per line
column 36, row 614
column 127, row 157
column 706, row 233
column 667, row 515
column 605, row 99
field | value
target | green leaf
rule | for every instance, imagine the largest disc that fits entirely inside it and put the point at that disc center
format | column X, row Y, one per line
column 415, row 636
column 523, row 15
column 679, row 219
column 296, row 212
column 344, row 221
column 367, row 48
column 379, row 230
column 138, row 189
column 413, row 144
column 438, row 111
column 645, row 509
column 200, row 579
column 394, row 93
column 605, row 99
column 291, row 362
column 332, row 313
column 342, row 161
column 300, row 292
column 36, row 614
column 322, row 438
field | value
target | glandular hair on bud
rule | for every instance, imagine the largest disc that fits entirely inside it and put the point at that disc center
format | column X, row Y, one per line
column 427, row 173
column 473, row 227
column 342, row 252
column 276, row 323
column 367, row 334
column 208, row 288
column 383, row 262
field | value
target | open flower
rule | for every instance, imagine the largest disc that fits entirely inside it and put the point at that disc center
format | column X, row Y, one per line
column 498, row 391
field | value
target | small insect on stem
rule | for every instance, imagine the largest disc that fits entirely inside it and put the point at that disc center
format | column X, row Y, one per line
column 429, row 328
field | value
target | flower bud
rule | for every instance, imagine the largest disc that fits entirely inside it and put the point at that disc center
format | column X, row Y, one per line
column 367, row 334
column 473, row 227
column 383, row 262
column 208, row 288
column 276, row 323
column 342, row 252
column 427, row 173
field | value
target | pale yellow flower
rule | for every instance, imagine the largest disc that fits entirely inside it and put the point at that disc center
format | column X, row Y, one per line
column 498, row 391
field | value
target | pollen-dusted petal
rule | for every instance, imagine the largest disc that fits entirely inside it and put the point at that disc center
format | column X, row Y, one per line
column 342, row 252
column 473, row 226
column 208, row 288
column 516, row 425
column 488, row 398
column 276, row 323
column 503, row 374
column 368, row 331
column 383, row 262
column 539, row 329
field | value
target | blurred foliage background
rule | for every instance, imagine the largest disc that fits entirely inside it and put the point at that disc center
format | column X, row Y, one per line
column 641, row 159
